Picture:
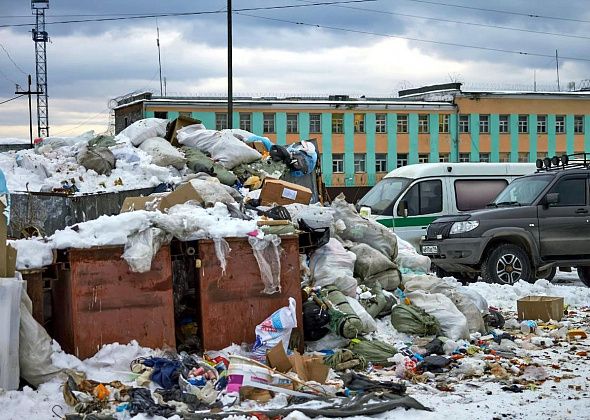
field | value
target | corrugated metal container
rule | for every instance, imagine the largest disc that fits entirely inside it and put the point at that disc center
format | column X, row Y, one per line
column 231, row 304
column 98, row 300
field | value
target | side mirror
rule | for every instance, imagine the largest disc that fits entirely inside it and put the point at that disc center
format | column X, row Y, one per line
column 402, row 208
column 551, row 198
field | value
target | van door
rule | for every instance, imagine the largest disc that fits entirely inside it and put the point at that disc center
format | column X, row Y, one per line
column 417, row 208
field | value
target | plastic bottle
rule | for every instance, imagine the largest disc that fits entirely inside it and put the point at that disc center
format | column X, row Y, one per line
column 528, row 327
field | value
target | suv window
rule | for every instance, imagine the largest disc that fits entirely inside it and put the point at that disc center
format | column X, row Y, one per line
column 471, row 194
column 572, row 192
column 424, row 198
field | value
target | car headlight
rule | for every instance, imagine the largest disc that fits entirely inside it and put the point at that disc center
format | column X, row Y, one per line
column 463, row 227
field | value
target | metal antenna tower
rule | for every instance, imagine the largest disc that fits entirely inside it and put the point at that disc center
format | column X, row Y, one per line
column 40, row 38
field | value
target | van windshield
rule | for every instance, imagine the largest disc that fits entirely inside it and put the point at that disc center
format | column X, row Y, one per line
column 382, row 196
column 523, row 191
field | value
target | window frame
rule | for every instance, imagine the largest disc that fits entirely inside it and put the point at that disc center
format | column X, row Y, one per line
column 464, row 124
column 419, row 185
column 462, row 156
column 245, row 123
column 221, row 122
column 402, row 123
column 269, row 125
column 290, row 129
column 338, row 123
column 360, row 124
column 313, row 121
column 484, row 124
column 423, row 123
column 459, row 202
column 487, row 155
column 380, row 123
column 423, row 158
column 401, row 157
column 338, row 160
column 444, row 158
column 443, row 123
column 523, row 124
column 541, row 124
column 380, row 162
column 360, row 163
column 560, row 126
column 161, row 114
column 578, row 124
column 504, row 121
column 570, row 178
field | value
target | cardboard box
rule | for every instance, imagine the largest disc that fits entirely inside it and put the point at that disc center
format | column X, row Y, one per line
column 540, row 307
column 177, row 124
column 182, row 194
column 282, row 192
column 149, row 202
column 307, row 368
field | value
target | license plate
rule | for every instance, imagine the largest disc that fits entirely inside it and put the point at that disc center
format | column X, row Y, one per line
column 430, row 249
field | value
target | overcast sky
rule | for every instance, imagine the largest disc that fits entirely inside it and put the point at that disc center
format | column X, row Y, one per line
column 370, row 48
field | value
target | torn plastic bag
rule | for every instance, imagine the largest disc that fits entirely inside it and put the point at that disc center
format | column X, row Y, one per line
column 144, row 129
column 267, row 252
column 357, row 229
column 453, row 323
column 99, row 159
column 332, row 264
column 163, row 153
column 10, row 308
column 36, row 366
column 275, row 329
column 142, row 246
column 222, row 250
column 369, row 261
column 344, row 321
column 411, row 319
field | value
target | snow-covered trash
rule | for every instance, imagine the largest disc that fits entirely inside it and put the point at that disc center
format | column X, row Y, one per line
column 163, row 153
column 144, row 129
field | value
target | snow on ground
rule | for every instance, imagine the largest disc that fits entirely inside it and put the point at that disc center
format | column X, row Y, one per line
column 13, row 140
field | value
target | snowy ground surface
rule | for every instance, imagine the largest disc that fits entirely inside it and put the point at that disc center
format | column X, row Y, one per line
column 561, row 391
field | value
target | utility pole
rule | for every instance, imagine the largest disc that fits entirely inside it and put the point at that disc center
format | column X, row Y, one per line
column 230, row 99
column 29, row 93
column 40, row 37
column 159, row 58
column 557, row 68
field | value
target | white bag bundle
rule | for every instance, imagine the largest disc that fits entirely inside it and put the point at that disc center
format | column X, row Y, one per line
column 369, row 323
column 409, row 261
column 452, row 322
column 10, row 295
column 163, row 153
column 144, row 129
column 332, row 264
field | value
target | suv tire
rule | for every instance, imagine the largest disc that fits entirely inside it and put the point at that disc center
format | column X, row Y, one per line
column 548, row 274
column 506, row 264
column 584, row 275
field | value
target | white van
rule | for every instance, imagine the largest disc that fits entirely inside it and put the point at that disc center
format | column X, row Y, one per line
column 409, row 198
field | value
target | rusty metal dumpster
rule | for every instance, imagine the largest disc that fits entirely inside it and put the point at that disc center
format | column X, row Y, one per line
column 98, row 300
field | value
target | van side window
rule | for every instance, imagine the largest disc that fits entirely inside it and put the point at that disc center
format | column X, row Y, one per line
column 471, row 194
column 572, row 192
column 424, row 198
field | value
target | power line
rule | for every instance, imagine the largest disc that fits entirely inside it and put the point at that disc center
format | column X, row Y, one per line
column 484, row 25
column 452, row 44
column 508, row 12
column 7, row 78
column 13, row 62
column 11, row 99
column 210, row 12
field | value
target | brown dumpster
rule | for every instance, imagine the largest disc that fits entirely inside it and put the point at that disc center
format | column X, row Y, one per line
column 231, row 305
column 98, row 300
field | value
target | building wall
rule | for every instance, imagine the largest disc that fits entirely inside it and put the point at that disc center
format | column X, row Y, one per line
column 128, row 116
column 397, row 148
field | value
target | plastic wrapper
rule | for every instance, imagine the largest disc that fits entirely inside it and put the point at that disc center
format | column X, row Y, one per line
column 332, row 264
column 141, row 248
column 222, row 250
column 476, row 298
column 316, row 216
column 98, row 159
column 163, row 153
column 267, row 252
column 144, row 129
column 453, row 323
column 357, row 229
column 10, row 296
column 275, row 329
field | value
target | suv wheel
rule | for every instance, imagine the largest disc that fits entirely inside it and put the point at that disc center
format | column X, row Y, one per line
column 506, row 264
column 584, row 275
column 548, row 274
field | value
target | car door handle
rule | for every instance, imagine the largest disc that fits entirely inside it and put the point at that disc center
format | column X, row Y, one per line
column 581, row 211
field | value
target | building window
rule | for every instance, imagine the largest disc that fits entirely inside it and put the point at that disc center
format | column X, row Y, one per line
column 423, row 123
column 560, row 124
column 161, row 114
column 245, row 121
column 338, row 164
column 337, row 123
column 443, row 123
column 464, row 157
column 523, row 157
column 381, row 162
column 184, row 114
column 402, row 160
column 484, row 157
column 463, row 123
column 381, row 123
column 484, row 124
column 359, row 123
column 422, row 158
column 360, row 163
column 504, row 157
column 220, row 121
column 523, row 123
column 402, row 123
column 126, row 121
column 541, row 124
column 315, row 123
column 504, row 124
column 292, row 123
column 579, row 124
column 443, row 157
column 268, row 124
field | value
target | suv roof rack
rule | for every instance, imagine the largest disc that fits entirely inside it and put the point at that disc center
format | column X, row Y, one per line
column 556, row 163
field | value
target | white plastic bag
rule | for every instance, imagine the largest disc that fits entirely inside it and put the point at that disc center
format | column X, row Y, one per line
column 222, row 250
column 476, row 298
column 144, row 129
column 212, row 191
column 141, row 248
column 421, row 282
column 275, row 329
column 267, row 252
column 369, row 323
column 409, row 261
column 163, row 153
column 332, row 264
column 452, row 322
column 10, row 295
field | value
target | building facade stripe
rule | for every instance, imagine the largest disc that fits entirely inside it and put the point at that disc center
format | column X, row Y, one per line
column 349, row 149
column 474, row 131
column 413, row 131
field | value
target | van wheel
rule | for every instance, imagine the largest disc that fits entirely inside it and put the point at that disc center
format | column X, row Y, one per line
column 506, row 264
column 584, row 275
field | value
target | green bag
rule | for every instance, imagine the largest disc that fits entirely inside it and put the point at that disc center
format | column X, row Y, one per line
column 198, row 161
column 376, row 352
column 343, row 320
column 411, row 319
column 380, row 305
column 102, row 140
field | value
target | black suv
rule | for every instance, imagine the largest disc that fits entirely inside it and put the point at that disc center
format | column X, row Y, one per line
column 537, row 223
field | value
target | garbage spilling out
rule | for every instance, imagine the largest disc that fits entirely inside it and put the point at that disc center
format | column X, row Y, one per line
column 235, row 292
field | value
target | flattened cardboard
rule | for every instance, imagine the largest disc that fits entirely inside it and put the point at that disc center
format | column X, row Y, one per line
column 182, row 194
column 177, row 124
column 283, row 192
column 307, row 368
column 540, row 307
column 277, row 358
